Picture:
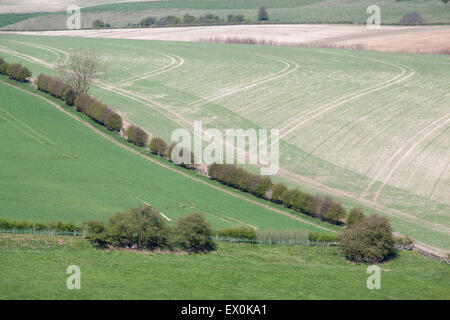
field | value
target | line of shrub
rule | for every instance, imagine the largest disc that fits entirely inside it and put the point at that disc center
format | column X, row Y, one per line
column 321, row 207
column 6, row 224
column 14, row 71
column 238, row 233
column 189, row 20
column 95, row 109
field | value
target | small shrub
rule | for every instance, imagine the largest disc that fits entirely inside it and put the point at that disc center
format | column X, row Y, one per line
column 148, row 22
column 69, row 96
column 141, row 227
column 158, row 146
column 262, row 14
column 194, row 234
column 96, row 233
column 83, row 103
column 170, row 20
column 336, row 213
column 404, row 243
column 355, row 216
column 137, row 136
column 235, row 18
column 112, row 120
column 4, row 68
column 18, row 72
column 188, row 19
column 279, row 192
column 412, row 18
column 370, row 241
column 96, row 111
column 98, row 24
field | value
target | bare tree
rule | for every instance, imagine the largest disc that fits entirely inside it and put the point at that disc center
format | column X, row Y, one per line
column 80, row 70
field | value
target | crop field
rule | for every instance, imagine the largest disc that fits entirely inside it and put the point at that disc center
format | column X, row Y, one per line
column 280, row 11
column 64, row 171
column 33, row 267
column 371, row 129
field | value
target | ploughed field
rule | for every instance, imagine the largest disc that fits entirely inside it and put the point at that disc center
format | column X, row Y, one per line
column 371, row 129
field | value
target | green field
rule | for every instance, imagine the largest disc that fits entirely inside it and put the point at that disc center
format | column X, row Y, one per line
column 55, row 168
column 34, row 267
column 371, row 129
column 280, row 11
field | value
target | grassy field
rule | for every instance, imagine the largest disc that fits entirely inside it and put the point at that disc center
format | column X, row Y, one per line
column 55, row 168
column 291, row 11
column 34, row 267
column 369, row 128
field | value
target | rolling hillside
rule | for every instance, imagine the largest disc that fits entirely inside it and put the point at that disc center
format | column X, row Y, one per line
column 280, row 11
column 368, row 128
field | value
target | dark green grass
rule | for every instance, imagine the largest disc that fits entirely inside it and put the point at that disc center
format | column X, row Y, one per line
column 34, row 267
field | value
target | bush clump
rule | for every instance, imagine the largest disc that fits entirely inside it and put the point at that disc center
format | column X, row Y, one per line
column 370, row 241
column 193, row 233
column 112, row 120
column 262, row 14
column 158, row 146
column 69, row 96
column 137, row 136
column 144, row 228
column 355, row 216
column 15, row 71
column 412, row 18
column 139, row 228
column 6, row 224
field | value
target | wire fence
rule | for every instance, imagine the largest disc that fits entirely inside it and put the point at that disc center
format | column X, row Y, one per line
column 75, row 233
column 275, row 241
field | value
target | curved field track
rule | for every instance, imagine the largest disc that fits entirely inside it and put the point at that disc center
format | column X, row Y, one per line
column 348, row 119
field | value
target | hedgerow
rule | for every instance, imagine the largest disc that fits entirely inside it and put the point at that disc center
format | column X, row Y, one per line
column 238, row 233
column 137, row 135
column 321, row 207
column 14, row 71
column 6, row 224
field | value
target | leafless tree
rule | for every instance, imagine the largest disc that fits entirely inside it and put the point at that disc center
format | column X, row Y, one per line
column 80, row 70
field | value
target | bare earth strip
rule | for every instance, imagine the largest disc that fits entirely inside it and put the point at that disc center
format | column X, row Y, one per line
column 425, row 39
